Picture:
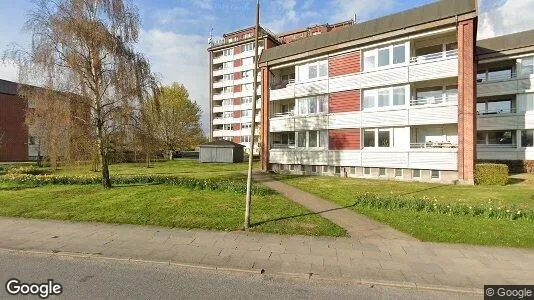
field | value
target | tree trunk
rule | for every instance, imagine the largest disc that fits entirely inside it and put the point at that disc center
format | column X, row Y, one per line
column 171, row 154
column 147, row 159
column 102, row 155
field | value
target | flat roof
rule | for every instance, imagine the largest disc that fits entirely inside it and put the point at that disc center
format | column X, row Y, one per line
column 424, row 14
column 8, row 87
column 506, row 42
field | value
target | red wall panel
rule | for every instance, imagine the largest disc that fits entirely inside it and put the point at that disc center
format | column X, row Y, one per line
column 237, row 101
column 237, row 114
column 237, row 88
column 238, row 62
column 344, row 64
column 344, row 139
column 13, row 127
column 236, row 126
column 344, row 101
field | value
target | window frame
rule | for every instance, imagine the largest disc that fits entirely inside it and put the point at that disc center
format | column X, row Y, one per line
column 435, row 177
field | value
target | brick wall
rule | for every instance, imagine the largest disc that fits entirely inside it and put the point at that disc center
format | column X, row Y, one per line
column 237, row 113
column 343, row 64
column 344, row 139
column 237, row 101
column 12, row 125
column 238, row 62
column 344, row 101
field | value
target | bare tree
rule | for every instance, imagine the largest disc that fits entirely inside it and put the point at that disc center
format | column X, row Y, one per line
column 86, row 47
column 174, row 119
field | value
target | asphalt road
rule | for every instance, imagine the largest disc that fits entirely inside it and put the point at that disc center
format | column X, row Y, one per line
column 97, row 278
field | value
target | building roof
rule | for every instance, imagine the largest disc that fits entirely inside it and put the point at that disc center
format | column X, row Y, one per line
column 506, row 42
column 8, row 87
column 221, row 144
column 428, row 13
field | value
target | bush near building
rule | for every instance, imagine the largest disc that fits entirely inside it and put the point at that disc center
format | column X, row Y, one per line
column 491, row 174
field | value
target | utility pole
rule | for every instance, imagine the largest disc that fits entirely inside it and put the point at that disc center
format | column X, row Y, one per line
column 253, row 125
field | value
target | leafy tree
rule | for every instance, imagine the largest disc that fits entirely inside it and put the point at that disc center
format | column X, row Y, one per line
column 86, row 47
column 174, row 119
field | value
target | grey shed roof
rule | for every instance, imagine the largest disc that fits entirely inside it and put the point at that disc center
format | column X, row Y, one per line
column 506, row 42
column 428, row 13
column 221, row 144
column 8, row 87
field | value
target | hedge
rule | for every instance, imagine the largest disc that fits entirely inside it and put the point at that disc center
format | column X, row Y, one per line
column 454, row 209
column 491, row 174
column 192, row 183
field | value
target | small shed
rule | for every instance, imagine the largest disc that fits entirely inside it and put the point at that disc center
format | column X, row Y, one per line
column 221, row 151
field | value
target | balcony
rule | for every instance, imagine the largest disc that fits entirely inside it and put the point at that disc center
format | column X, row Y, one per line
column 222, row 58
column 434, row 145
column 504, row 84
column 434, row 100
column 222, row 71
column 433, row 66
column 222, row 96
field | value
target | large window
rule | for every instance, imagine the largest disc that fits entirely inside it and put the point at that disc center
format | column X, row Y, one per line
column 495, row 107
column 502, row 73
column 312, row 139
column 246, row 87
column 247, row 47
column 497, row 137
column 283, row 139
column 227, row 102
column 228, row 89
column 246, row 74
column 228, row 52
column 227, row 126
column 246, row 113
column 382, row 138
column 527, row 138
column 383, row 57
column 527, row 66
column 228, row 76
column 314, row 70
column 246, row 100
column 227, row 65
column 228, row 114
column 384, row 97
column 312, row 105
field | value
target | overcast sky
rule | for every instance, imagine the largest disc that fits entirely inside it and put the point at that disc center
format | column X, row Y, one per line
column 174, row 33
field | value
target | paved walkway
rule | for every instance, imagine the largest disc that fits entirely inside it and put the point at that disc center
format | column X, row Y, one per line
column 357, row 226
column 399, row 262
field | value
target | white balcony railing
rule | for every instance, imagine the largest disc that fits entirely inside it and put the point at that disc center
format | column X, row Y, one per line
column 434, row 56
column 496, row 77
column 512, row 110
column 283, row 114
column 434, row 100
column 433, row 145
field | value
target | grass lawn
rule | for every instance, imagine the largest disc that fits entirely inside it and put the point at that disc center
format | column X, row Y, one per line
column 162, row 205
column 433, row 226
column 179, row 167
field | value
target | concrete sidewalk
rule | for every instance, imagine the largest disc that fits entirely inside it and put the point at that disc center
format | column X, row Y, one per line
column 357, row 226
column 396, row 262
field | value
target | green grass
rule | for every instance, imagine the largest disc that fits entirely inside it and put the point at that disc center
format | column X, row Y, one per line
column 178, row 167
column 433, row 226
column 161, row 205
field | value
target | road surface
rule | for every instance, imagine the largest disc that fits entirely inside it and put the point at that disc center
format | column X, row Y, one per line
column 98, row 278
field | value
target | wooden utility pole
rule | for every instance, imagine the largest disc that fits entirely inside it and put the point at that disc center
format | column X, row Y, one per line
column 253, row 125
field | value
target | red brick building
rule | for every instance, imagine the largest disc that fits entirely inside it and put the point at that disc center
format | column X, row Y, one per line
column 13, row 130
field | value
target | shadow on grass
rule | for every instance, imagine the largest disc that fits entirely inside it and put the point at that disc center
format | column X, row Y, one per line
column 512, row 181
column 299, row 215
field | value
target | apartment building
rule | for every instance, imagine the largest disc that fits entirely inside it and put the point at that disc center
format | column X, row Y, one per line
column 391, row 98
column 231, row 71
column 505, row 100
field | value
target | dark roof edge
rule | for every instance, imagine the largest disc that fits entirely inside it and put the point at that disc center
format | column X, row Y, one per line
column 506, row 45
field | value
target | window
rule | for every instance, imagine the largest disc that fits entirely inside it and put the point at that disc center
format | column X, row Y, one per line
column 337, row 170
column 399, row 54
column 398, row 172
column 495, row 107
column 246, row 100
column 314, row 169
column 246, row 87
column 325, row 169
column 227, row 126
column 313, row 137
column 527, row 138
column 227, row 65
column 246, row 125
column 429, row 50
column 228, row 52
column 429, row 94
column 228, row 76
column 228, row 89
column 369, row 98
column 312, row 105
column 416, row 173
column 352, row 170
column 228, row 114
column 301, row 139
column 246, row 74
column 451, row 91
column 383, row 97
column 527, row 66
column 434, row 174
column 312, row 71
column 369, row 60
column 227, row 102
column 383, row 57
column 399, row 96
column 381, row 171
column 369, row 138
column 481, row 76
column 498, row 137
column 384, row 138
column 247, row 47
column 366, row 171
column 282, row 167
column 247, row 35
column 31, row 140
column 246, row 113
column 245, row 139
column 291, row 167
column 302, row 168
column 248, row 61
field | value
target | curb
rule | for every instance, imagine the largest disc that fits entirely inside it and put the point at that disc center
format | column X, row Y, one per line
column 306, row 276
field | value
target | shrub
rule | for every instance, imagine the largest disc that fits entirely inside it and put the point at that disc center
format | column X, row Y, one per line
column 453, row 209
column 192, row 183
column 28, row 170
column 491, row 174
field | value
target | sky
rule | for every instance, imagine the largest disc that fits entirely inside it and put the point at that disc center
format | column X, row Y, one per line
column 174, row 33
